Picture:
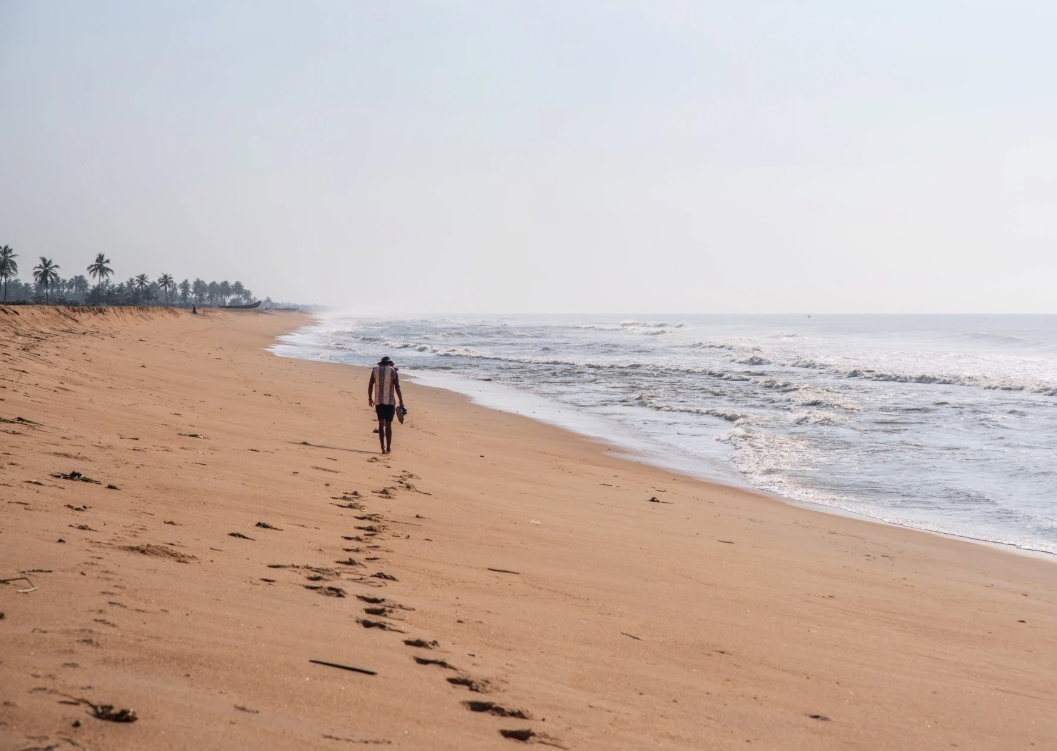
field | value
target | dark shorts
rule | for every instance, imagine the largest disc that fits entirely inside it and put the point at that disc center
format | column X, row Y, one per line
column 385, row 411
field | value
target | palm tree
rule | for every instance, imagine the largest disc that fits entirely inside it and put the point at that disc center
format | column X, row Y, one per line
column 199, row 289
column 214, row 292
column 142, row 283
column 225, row 291
column 45, row 274
column 165, row 281
column 60, row 289
column 131, row 295
column 115, row 294
column 185, row 291
column 237, row 290
column 78, row 285
column 96, row 295
column 8, row 267
column 100, row 269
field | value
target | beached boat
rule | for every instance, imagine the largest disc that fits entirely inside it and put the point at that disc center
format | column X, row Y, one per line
column 250, row 306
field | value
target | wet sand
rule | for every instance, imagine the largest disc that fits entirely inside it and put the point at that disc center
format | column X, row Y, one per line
column 611, row 604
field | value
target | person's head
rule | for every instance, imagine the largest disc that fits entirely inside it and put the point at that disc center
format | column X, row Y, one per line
column 385, row 361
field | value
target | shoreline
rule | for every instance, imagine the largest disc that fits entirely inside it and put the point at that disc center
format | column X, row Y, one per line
column 638, row 454
column 251, row 517
column 630, row 455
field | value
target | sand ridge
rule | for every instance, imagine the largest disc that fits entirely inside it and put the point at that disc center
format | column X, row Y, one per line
column 500, row 581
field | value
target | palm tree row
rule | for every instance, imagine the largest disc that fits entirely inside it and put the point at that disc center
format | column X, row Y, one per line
column 47, row 286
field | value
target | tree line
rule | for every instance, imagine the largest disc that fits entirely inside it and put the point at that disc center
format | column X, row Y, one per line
column 47, row 286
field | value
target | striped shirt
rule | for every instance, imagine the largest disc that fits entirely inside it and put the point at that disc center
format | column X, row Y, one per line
column 384, row 378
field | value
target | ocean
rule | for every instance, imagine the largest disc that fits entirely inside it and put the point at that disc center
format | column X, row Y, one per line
column 939, row 423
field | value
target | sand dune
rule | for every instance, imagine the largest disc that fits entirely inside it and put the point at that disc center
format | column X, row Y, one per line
column 225, row 528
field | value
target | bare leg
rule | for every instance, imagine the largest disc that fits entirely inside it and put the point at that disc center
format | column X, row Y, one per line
column 381, row 433
column 388, row 436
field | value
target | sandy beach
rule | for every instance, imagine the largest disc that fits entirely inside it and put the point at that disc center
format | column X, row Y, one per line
column 225, row 518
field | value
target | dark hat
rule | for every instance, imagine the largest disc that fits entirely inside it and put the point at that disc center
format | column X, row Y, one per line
column 385, row 361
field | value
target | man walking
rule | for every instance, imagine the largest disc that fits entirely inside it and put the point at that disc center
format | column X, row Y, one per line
column 384, row 382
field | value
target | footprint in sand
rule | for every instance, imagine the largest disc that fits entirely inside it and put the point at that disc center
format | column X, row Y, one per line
column 496, row 709
column 421, row 643
column 438, row 663
column 477, row 686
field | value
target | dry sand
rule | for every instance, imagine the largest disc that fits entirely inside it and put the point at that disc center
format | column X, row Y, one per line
column 532, row 560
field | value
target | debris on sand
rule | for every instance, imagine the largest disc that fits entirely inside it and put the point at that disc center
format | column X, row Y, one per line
column 21, row 420
column 160, row 551
column 193, row 435
column 32, row 586
column 266, row 525
column 421, row 643
column 344, row 667
column 240, row 536
column 111, row 714
column 383, row 575
column 107, row 712
column 75, row 476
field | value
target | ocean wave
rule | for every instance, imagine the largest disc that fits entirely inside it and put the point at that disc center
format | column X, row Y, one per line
column 990, row 383
column 828, row 404
column 983, row 336
column 588, row 327
column 647, row 324
column 816, row 417
column 771, row 462
column 707, row 345
column 727, row 415
column 636, row 367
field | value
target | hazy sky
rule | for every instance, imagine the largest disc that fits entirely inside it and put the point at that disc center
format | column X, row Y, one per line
column 503, row 156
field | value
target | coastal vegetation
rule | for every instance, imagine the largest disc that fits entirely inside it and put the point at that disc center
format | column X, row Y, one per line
column 48, row 287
